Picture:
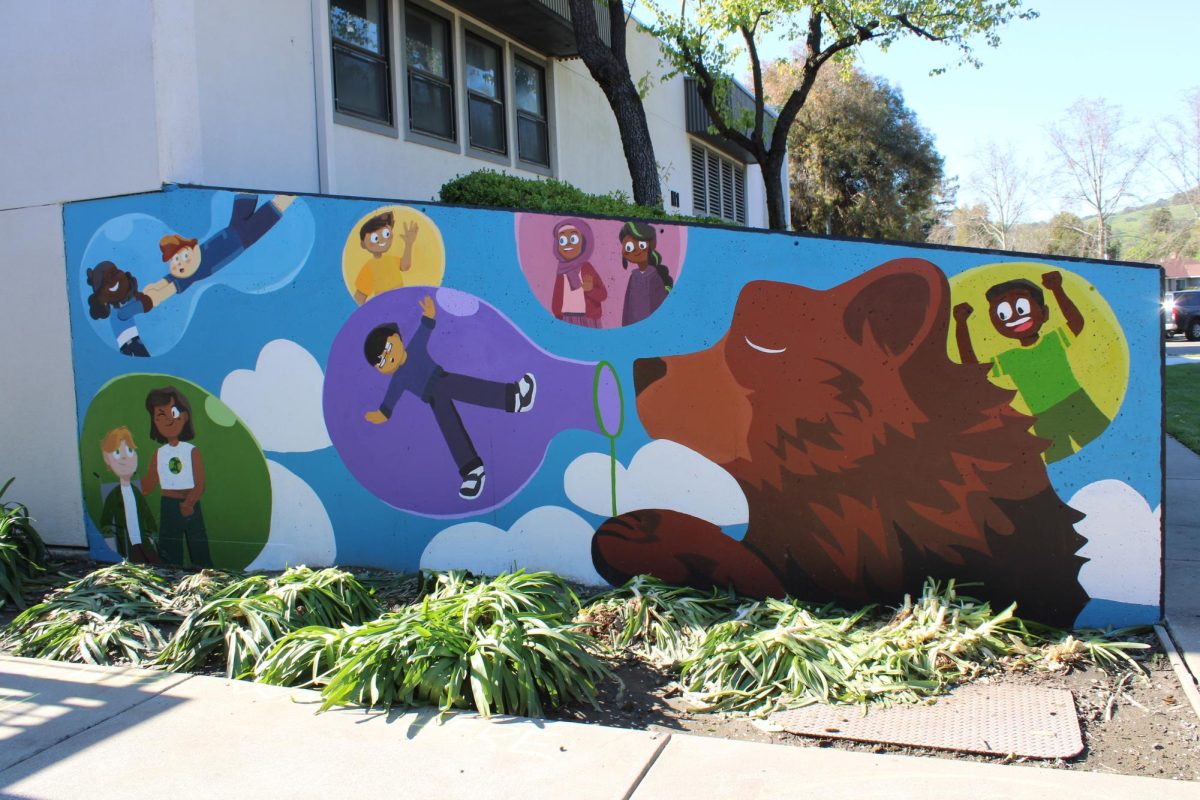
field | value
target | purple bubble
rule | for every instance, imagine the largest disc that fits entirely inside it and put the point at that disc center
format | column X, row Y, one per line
column 405, row 461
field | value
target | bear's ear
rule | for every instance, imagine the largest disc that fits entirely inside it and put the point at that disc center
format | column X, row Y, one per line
column 901, row 302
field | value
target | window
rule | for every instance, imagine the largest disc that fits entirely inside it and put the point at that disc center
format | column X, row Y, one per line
column 430, row 77
column 533, row 140
column 486, row 120
column 362, row 84
column 718, row 186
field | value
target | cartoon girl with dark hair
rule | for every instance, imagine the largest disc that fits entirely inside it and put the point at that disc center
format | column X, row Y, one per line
column 115, row 296
column 647, row 288
column 578, row 290
column 179, row 472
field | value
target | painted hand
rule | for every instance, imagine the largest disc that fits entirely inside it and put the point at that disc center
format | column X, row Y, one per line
column 376, row 417
column 428, row 309
column 186, row 508
column 1052, row 280
column 159, row 291
column 588, row 283
column 282, row 201
column 962, row 311
column 409, row 233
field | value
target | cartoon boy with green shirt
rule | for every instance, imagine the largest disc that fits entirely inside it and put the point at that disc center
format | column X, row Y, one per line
column 1039, row 367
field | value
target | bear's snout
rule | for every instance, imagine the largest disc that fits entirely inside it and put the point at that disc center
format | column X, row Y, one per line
column 646, row 371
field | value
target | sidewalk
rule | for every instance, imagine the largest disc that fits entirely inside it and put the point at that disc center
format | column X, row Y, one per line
column 69, row 731
column 1182, row 559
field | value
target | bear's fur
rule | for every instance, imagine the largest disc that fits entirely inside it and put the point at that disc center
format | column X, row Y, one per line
column 870, row 460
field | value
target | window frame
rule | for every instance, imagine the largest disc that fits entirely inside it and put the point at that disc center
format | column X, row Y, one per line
column 388, row 57
column 411, row 134
column 547, row 169
column 506, row 157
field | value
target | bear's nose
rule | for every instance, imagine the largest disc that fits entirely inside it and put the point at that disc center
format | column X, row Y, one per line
column 646, row 371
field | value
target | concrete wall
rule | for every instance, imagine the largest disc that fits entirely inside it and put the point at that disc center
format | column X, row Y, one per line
column 827, row 419
column 78, row 86
column 39, row 384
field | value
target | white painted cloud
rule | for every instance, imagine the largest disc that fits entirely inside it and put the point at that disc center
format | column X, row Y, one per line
column 280, row 399
column 662, row 474
column 547, row 538
column 301, row 531
column 1124, row 543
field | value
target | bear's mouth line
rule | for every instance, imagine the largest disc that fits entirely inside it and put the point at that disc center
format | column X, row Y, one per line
column 761, row 349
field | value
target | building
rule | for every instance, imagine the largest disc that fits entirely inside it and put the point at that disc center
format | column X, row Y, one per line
column 1181, row 273
column 384, row 98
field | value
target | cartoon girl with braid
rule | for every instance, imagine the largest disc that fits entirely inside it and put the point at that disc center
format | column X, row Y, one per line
column 651, row 281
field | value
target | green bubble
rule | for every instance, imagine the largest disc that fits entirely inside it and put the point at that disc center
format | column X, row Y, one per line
column 218, row 412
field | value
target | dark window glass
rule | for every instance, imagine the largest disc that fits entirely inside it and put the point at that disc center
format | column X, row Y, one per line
column 430, row 87
column 485, row 95
column 533, row 140
column 361, row 69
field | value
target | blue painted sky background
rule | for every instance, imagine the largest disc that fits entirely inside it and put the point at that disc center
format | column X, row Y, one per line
column 230, row 328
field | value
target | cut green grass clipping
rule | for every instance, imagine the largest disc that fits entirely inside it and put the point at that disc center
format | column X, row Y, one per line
column 118, row 614
column 779, row 654
column 241, row 620
column 656, row 620
column 502, row 646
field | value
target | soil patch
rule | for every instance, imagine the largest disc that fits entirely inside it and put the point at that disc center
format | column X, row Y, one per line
column 1132, row 725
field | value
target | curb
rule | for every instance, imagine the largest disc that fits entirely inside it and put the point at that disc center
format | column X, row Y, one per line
column 1181, row 671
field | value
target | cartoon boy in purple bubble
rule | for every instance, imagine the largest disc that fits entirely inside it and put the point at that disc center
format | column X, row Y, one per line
column 411, row 368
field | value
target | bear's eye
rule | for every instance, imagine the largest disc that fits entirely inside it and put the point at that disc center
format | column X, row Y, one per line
column 1004, row 311
column 768, row 350
column 1023, row 306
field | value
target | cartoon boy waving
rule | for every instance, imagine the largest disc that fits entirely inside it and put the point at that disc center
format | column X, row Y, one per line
column 1038, row 367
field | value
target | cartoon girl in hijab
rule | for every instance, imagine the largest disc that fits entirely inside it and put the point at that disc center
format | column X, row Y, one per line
column 649, row 283
column 578, row 290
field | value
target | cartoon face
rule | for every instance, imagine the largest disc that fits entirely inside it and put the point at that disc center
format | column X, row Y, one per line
column 378, row 241
column 393, row 355
column 1017, row 314
column 185, row 262
column 569, row 242
column 636, row 251
column 169, row 420
column 115, row 285
column 122, row 460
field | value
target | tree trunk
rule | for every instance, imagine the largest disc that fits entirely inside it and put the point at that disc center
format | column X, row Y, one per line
column 609, row 68
column 774, row 183
column 635, row 141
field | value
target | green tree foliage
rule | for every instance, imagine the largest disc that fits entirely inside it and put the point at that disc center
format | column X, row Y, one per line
column 860, row 164
column 699, row 40
column 1071, row 236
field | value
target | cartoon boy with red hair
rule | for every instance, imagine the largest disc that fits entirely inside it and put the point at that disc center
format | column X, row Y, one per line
column 190, row 260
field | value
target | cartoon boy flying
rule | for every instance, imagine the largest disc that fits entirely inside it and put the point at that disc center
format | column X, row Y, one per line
column 1039, row 366
column 382, row 272
column 190, row 261
column 410, row 368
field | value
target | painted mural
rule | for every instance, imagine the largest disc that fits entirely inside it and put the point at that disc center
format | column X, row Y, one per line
column 324, row 380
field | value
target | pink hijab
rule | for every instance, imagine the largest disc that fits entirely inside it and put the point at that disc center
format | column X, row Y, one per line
column 570, row 267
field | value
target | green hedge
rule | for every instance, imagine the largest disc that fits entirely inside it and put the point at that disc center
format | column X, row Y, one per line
column 492, row 189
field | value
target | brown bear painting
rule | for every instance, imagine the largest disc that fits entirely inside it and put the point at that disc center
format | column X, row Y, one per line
column 869, row 459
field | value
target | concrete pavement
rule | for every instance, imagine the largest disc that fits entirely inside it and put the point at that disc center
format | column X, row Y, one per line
column 68, row 731
column 1182, row 557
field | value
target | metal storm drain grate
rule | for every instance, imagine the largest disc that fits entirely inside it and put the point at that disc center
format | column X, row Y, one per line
column 997, row 720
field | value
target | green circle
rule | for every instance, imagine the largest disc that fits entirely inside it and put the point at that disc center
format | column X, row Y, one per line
column 219, row 412
column 600, row 367
column 237, row 487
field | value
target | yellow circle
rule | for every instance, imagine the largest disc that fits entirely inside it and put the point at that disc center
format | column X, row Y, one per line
column 1098, row 356
column 428, row 257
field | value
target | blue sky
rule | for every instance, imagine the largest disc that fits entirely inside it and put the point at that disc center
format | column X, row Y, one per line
column 1141, row 57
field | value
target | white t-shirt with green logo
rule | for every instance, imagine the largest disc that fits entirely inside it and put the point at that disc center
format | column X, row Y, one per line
column 174, row 464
